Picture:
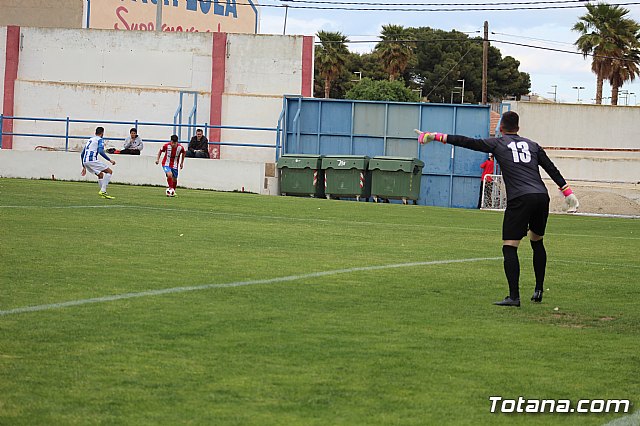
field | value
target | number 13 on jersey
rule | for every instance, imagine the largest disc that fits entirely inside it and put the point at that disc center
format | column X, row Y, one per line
column 520, row 152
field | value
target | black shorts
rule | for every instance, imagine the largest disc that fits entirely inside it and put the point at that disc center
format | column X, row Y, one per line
column 527, row 212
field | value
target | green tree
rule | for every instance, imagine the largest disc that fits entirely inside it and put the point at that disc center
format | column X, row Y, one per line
column 610, row 36
column 623, row 70
column 394, row 50
column 381, row 90
column 444, row 58
column 440, row 60
column 330, row 57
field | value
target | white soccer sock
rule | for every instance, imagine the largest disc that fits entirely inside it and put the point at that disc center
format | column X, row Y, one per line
column 100, row 184
column 105, row 181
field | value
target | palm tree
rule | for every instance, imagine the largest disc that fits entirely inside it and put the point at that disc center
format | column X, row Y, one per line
column 330, row 57
column 624, row 69
column 393, row 50
column 608, row 35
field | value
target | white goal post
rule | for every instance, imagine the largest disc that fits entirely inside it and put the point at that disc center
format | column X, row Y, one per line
column 494, row 194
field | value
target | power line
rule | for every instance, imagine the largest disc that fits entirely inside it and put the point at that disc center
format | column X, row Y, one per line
column 533, row 38
column 431, row 4
column 561, row 50
column 477, row 40
column 396, row 41
column 508, row 7
column 412, row 9
column 448, row 72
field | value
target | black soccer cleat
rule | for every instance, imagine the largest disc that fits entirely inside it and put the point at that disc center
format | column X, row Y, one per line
column 537, row 296
column 508, row 301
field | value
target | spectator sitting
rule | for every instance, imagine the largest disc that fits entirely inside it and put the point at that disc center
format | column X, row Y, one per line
column 198, row 146
column 132, row 143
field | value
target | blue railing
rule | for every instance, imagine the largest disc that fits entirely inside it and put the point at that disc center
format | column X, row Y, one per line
column 67, row 136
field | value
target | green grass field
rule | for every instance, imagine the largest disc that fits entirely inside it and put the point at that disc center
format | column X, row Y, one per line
column 300, row 311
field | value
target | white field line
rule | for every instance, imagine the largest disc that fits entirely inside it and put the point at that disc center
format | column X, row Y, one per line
column 630, row 420
column 310, row 219
column 234, row 284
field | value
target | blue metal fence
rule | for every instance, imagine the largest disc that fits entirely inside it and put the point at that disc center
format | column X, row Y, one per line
column 177, row 127
column 451, row 176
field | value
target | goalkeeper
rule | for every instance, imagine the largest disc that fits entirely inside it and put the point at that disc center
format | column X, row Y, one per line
column 527, row 196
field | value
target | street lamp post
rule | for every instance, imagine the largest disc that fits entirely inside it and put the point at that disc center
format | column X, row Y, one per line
column 554, row 93
column 461, row 91
column 578, row 88
column 624, row 94
column 286, row 12
column 159, row 15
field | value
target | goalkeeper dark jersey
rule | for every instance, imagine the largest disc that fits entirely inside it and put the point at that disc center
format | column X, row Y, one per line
column 519, row 159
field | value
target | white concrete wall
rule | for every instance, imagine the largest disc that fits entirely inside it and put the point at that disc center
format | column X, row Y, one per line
column 585, row 126
column 578, row 125
column 108, row 75
column 221, row 175
column 3, row 59
column 260, row 70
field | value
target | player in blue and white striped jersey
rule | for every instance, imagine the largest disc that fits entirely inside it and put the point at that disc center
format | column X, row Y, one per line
column 90, row 161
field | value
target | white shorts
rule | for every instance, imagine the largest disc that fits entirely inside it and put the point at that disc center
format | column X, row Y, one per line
column 95, row 167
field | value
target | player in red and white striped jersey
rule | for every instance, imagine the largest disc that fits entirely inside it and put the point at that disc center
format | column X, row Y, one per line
column 173, row 158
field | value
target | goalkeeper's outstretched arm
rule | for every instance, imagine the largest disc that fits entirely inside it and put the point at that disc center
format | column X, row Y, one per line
column 483, row 145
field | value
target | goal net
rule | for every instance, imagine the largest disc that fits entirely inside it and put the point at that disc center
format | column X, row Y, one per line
column 494, row 194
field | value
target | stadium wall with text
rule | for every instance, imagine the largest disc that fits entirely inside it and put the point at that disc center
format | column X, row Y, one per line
column 239, row 79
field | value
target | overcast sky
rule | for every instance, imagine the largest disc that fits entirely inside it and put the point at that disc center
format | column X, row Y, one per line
column 546, row 28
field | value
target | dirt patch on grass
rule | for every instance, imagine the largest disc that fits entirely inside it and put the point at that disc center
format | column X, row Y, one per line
column 601, row 202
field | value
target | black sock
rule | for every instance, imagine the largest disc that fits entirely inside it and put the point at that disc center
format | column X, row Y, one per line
column 512, row 270
column 539, row 263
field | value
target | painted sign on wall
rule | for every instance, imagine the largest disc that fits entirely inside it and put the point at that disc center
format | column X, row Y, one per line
column 234, row 16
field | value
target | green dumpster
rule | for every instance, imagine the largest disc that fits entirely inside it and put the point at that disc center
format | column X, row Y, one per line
column 346, row 176
column 301, row 174
column 396, row 178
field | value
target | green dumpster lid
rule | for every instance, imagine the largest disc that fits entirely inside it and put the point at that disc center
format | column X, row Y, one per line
column 299, row 161
column 349, row 157
column 384, row 157
column 395, row 163
column 302, row 155
column 345, row 162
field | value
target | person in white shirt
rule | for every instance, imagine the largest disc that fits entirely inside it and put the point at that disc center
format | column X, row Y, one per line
column 132, row 143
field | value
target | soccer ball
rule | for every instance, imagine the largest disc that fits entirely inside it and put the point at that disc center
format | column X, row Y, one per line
column 171, row 192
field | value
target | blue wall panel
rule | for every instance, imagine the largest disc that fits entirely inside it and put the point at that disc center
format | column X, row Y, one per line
column 368, row 146
column 437, row 158
column 467, row 162
column 434, row 190
column 308, row 118
column 335, row 127
column 369, row 118
column 309, row 144
column 402, row 147
column 335, row 145
column 336, row 118
column 463, row 190
column 437, row 118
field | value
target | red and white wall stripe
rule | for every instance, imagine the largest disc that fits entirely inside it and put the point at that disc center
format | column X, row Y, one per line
column 10, row 61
